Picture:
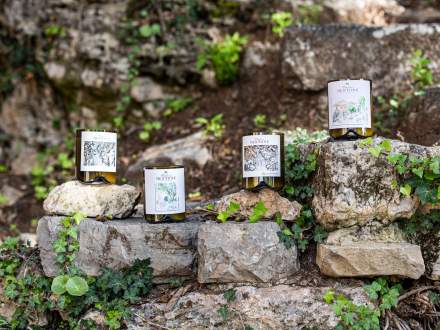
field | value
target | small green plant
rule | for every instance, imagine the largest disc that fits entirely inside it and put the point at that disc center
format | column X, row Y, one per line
column 421, row 73
column 225, row 311
column 148, row 128
column 298, row 170
column 258, row 212
column 361, row 317
column 260, row 120
column 54, row 30
column 176, row 105
column 351, row 315
column 3, row 199
column 420, row 176
column 133, row 35
column 213, row 126
column 280, row 21
column 229, row 296
column 232, row 208
column 69, row 295
column 223, row 57
column 3, row 168
column 148, row 31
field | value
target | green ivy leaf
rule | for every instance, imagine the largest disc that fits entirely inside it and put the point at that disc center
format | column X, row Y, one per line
column 406, row 190
column 77, row 286
column 229, row 295
column 386, row 145
column 418, row 171
column 366, row 142
column 375, row 151
column 59, row 284
column 233, row 207
column 258, row 212
column 223, row 216
column 329, row 296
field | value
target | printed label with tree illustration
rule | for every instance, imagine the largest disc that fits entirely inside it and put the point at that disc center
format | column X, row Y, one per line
column 164, row 191
column 261, row 156
column 98, row 151
column 349, row 103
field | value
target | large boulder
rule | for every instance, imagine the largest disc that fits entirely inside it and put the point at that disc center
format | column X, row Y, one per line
column 275, row 307
column 414, row 126
column 369, row 250
column 171, row 247
column 354, row 187
column 314, row 54
column 274, row 203
column 244, row 252
column 112, row 201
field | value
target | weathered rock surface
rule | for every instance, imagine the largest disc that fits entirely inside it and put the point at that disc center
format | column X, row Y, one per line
column 415, row 128
column 354, row 187
column 243, row 252
column 370, row 250
column 313, row 54
column 117, row 244
column 289, row 210
column 276, row 307
column 189, row 148
column 92, row 200
column 368, row 12
column 27, row 115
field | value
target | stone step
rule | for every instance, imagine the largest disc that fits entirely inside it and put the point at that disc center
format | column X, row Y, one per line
column 275, row 307
column 230, row 252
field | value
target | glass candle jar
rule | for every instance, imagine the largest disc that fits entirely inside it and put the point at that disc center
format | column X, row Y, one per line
column 263, row 161
column 164, row 193
column 96, row 156
column 350, row 108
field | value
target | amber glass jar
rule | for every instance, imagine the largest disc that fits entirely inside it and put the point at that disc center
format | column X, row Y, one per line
column 164, row 193
column 96, row 156
column 263, row 161
column 350, row 108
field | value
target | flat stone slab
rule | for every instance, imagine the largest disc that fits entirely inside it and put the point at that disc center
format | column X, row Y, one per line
column 115, row 244
column 92, row 200
column 353, row 187
column 275, row 307
column 243, row 252
column 369, row 250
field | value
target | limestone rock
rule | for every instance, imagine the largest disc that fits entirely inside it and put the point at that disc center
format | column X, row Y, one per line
column 372, row 250
column 145, row 89
column 415, row 128
column 368, row 12
column 272, row 200
column 353, row 187
column 275, row 307
column 11, row 195
column 189, row 148
column 313, row 54
column 28, row 114
column 92, row 200
column 117, row 244
column 243, row 252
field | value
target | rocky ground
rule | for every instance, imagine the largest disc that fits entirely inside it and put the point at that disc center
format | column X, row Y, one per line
column 63, row 65
column 277, row 286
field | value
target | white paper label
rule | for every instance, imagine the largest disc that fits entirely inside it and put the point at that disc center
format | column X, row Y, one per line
column 98, row 151
column 261, row 156
column 349, row 104
column 164, row 191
